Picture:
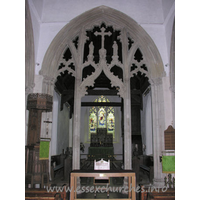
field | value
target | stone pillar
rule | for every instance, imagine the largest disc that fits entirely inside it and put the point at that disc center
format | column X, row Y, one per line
column 76, row 130
column 127, row 131
column 158, row 129
column 127, row 128
column 70, row 132
column 173, row 105
column 76, row 126
column 172, row 72
column 126, row 94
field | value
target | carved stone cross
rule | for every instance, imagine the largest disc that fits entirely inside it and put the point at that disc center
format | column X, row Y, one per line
column 102, row 33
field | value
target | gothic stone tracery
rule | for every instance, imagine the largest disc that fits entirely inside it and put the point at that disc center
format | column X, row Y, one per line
column 104, row 49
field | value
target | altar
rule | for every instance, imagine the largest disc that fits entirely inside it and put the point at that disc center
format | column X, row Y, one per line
column 101, row 145
column 96, row 153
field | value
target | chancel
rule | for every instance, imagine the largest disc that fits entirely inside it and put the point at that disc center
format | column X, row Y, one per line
column 103, row 91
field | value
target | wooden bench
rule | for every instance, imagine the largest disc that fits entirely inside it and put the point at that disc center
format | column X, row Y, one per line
column 151, row 193
column 57, row 164
column 55, row 169
column 42, row 194
column 145, row 168
column 58, row 167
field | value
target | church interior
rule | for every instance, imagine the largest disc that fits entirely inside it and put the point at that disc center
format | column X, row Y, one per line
column 99, row 88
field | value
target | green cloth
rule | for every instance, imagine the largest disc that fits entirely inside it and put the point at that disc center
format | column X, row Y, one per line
column 44, row 150
column 168, row 164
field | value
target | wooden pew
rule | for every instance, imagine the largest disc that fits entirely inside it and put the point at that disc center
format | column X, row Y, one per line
column 56, row 169
column 151, row 193
column 59, row 164
column 42, row 194
column 168, row 195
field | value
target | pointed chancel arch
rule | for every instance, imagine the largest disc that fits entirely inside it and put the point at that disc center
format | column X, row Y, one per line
column 86, row 21
column 134, row 42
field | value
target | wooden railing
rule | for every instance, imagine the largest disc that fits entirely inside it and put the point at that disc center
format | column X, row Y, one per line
column 105, row 174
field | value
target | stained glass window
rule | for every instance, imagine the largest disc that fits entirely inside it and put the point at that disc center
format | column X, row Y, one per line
column 93, row 120
column 101, row 118
column 111, row 121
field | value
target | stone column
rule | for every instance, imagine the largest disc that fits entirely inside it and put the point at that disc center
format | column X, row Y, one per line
column 127, row 128
column 127, row 132
column 76, row 130
column 172, row 72
column 71, row 132
column 158, row 129
column 76, row 126
column 173, row 105
column 126, row 94
column 77, row 102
